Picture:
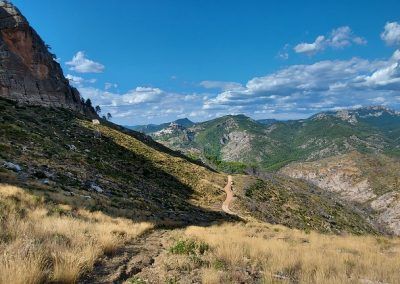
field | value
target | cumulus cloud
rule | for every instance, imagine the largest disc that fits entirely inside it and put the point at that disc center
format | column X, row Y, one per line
column 81, row 64
column 391, row 33
column 296, row 91
column 314, row 87
column 142, row 95
column 337, row 38
column 145, row 104
column 387, row 77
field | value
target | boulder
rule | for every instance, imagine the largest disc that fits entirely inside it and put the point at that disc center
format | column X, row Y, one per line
column 12, row 166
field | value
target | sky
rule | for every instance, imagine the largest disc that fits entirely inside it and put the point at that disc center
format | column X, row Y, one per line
column 155, row 61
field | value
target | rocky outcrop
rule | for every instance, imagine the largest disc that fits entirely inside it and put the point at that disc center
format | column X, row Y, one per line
column 29, row 73
column 341, row 176
column 371, row 182
column 238, row 146
column 388, row 208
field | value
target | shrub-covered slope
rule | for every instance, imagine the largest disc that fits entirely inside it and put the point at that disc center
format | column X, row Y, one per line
column 235, row 143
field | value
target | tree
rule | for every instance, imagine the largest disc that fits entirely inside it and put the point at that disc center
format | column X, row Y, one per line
column 88, row 103
column 109, row 116
column 97, row 109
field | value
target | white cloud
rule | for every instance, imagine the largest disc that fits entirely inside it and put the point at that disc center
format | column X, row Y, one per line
column 337, row 38
column 144, row 104
column 391, row 33
column 311, row 48
column 315, row 87
column 79, row 81
column 142, row 95
column 283, row 53
column 108, row 86
column 220, row 85
column 388, row 76
column 81, row 64
column 296, row 91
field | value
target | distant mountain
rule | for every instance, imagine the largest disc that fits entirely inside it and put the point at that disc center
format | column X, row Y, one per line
column 237, row 142
column 267, row 121
column 149, row 128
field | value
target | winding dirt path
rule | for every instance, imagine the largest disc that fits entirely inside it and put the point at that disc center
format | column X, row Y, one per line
column 229, row 197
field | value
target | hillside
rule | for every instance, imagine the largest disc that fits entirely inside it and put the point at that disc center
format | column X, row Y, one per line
column 83, row 200
column 71, row 165
column 63, row 156
column 372, row 182
column 238, row 142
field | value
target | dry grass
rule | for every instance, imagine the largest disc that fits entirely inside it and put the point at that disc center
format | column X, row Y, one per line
column 275, row 253
column 42, row 243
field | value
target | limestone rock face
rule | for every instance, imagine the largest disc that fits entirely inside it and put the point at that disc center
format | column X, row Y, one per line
column 29, row 73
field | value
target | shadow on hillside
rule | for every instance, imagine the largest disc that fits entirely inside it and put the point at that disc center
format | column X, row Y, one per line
column 157, row 146
column 133, row 186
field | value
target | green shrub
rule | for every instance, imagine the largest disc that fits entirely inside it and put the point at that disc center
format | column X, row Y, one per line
column 189, row 247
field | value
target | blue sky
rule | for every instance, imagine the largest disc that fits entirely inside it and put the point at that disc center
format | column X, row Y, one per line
column 155, row 61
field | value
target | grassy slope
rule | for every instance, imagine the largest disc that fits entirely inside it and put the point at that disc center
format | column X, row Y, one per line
column 263, row 253
column 42, row 242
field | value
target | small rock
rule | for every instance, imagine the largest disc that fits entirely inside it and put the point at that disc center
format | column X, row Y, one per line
column 46, row 181
column 72, row 147
column 69, row 174
column 87, row 196
column 11, row 166
column 95, row 187
column 95, row 122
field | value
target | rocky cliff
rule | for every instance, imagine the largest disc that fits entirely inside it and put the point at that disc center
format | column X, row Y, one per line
column 29, row 73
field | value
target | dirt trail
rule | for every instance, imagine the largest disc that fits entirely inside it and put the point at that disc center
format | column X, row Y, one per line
column 135, row 258
column 129, row 260
column 229, row 196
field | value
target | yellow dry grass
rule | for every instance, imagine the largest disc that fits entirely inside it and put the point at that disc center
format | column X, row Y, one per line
column 54, row 243
column 279, row 254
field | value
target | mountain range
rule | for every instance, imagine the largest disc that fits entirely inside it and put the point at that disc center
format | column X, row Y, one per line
column 237, row 142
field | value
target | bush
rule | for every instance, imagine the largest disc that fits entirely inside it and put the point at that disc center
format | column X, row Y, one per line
column 189, row 247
